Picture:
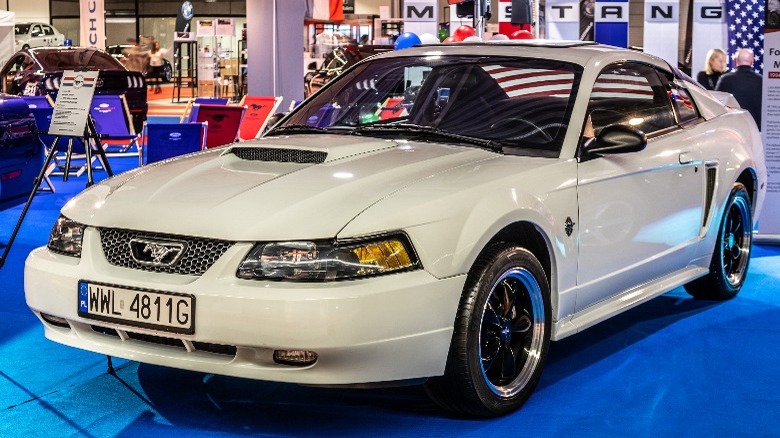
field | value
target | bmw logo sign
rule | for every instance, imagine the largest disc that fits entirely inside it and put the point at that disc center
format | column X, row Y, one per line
column 186, row 10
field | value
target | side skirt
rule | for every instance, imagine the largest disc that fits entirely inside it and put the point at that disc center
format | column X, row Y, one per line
column 623, row 301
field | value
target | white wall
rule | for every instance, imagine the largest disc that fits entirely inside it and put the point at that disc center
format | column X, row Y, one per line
column 29, row 10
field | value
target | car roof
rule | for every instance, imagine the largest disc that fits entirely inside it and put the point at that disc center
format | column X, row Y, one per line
column 578, row 52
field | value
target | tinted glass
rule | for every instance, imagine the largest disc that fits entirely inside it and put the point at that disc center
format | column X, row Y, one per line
column 630, row 94
column 56, row 59
column 21, row 29
column 512, row 101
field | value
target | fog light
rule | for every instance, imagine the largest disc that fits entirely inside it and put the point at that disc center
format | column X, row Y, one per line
column 295, row 357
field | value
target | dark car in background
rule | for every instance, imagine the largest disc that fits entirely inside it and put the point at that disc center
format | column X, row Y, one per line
column 120, row 51
column 21, row 154
column 37, row 72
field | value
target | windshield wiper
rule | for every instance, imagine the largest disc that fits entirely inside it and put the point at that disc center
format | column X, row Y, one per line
column 298, row 129
column 429, row 132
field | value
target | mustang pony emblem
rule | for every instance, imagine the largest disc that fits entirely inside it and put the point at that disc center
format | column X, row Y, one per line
column 156, row 253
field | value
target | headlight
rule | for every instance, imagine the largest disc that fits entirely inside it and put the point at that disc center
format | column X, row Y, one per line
column 322, row 260
column 66, row 237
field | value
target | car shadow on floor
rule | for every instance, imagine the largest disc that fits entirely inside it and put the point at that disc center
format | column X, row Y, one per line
column 211, row 402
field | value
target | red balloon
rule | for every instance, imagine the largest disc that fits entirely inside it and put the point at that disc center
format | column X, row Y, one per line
column 463, row 32
column 452, row 39
column 521, row 35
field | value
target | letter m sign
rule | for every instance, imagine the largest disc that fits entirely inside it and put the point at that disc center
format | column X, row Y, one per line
column 420, row 11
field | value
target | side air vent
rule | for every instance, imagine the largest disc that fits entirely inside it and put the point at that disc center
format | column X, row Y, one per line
column 711, row 174
column 279, row 155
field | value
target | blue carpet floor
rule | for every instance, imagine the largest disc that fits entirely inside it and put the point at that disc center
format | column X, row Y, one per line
column 674, row 366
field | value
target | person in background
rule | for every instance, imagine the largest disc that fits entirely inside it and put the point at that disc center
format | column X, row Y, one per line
column 156, row 63
column 714, row 67
column 744, row 84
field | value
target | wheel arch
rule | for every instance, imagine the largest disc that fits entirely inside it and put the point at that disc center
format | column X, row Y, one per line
column 530, row 237
column 749, row 179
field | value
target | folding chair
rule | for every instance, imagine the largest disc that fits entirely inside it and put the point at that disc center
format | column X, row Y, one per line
column 114, row 123
column 191, row 110
column 258, row 110
column 72, row 149
column 38, row 101
column 167, row 140
column 223, row 123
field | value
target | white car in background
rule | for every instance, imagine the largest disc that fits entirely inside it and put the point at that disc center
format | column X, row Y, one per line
column 435, row 214
column 30, row 35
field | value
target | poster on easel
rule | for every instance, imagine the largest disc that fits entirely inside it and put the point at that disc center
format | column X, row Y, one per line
column 74, row 100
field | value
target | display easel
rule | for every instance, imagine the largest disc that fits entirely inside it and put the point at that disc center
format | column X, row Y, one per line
column 90, row 136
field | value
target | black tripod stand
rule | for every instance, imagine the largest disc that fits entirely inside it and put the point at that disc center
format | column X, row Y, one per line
column 90, row 136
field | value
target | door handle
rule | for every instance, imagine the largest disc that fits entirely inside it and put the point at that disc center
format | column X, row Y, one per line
column 685, row 158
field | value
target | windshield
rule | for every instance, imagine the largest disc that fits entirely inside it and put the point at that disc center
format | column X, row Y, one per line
column 69, row 59
column 21, row 29
column 508, row 101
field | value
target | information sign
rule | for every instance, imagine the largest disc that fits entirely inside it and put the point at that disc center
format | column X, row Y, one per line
column 73, row 102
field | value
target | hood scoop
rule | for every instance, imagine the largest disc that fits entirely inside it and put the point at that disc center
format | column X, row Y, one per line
column 279, row 155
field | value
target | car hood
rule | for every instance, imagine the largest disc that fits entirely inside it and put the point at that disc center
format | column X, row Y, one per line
column 256, row 191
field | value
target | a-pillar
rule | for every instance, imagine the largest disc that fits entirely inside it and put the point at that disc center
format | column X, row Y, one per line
column 274, row 30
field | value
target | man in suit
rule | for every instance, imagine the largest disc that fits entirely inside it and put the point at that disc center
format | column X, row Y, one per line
column 744, row 84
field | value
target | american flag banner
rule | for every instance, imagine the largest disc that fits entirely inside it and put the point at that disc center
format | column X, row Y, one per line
column 531, row 82
column 745, row 25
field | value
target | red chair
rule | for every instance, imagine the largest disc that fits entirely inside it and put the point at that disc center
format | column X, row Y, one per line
column 223, row 122
column 258, row 110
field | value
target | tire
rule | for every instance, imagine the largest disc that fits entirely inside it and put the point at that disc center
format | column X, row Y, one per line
column 731, row 256
column 501, row 337
column 167, row 72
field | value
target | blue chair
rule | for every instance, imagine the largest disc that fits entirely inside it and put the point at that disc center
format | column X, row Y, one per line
column 113, row 122
column 167, row 140
column 212, row 100
column 77, row 151
column 38, row 101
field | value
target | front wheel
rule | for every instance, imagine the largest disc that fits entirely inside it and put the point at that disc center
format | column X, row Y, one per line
column 501, row 336
column 731, row 256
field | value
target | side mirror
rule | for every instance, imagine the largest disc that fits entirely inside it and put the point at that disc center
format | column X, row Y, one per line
column 312, row 66
column 617, row 139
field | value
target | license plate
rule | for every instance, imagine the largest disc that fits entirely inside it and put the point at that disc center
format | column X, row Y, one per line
column 166, row 311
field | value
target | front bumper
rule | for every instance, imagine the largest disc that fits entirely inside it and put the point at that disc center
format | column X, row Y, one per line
column 387, row 328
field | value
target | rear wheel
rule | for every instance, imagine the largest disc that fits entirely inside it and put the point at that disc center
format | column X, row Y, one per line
column 501, row 337
column 731, row 256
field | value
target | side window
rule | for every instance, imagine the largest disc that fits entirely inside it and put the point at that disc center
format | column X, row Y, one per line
column 683, row 104
column 629, row 94
column 36, row 31
column 47, row 30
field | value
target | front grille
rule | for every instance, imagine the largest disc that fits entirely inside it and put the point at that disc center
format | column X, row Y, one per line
column 280, row 155
column 199, row 255
column 160, row 340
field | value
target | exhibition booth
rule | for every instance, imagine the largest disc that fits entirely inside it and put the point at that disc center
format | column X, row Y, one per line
column 349, row 218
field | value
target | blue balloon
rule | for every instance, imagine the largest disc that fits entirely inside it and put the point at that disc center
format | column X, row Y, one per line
column 406, row 40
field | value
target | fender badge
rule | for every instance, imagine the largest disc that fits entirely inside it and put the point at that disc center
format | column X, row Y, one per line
column 569, row 226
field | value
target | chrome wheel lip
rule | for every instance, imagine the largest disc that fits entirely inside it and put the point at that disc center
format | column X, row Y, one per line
column 736, row 240
column 534, row 354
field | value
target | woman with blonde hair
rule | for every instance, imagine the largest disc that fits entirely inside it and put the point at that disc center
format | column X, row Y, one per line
column 714, row 67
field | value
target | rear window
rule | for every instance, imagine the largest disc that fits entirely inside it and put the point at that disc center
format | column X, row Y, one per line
column 56, row 59
column 21, row 29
